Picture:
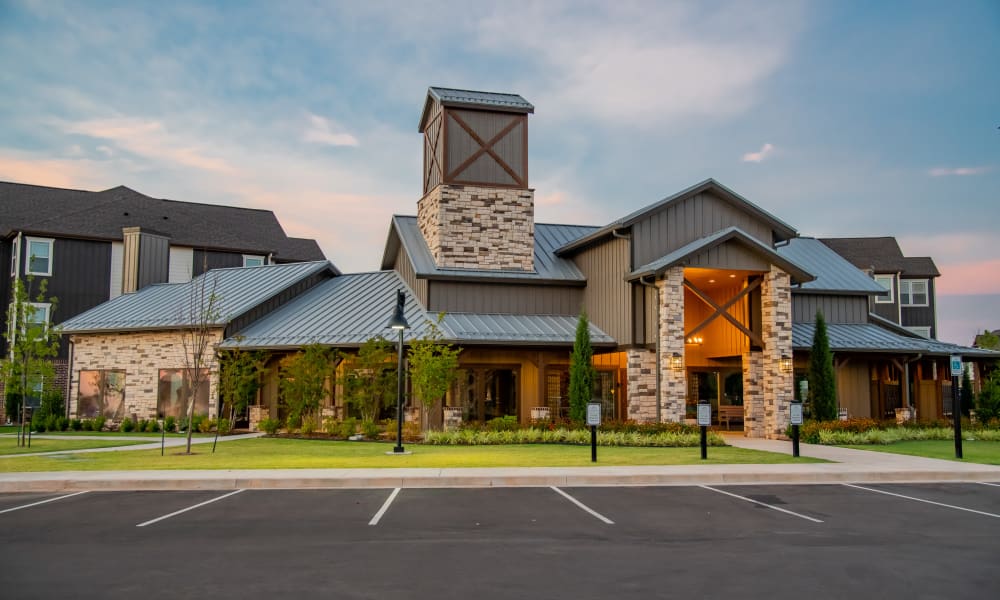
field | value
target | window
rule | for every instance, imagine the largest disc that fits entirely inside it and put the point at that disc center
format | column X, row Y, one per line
column 885, row 281
column 249, row 260
column 174, row 389
column 921, row 331
column 913, row 292
column 37, row 314
column 101, row 394
column 36, row 317
column 39, row 256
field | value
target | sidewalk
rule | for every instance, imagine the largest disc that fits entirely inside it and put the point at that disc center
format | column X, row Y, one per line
column 851, row 466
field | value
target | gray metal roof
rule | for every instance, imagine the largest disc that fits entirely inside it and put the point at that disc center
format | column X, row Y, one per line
column 176, row 305
column 869, row 337
column 710, row 241
column 833, row 273
column 548, row 266
column 489, row 100
column 784, row 230
column 351, row 309
column 466, row 328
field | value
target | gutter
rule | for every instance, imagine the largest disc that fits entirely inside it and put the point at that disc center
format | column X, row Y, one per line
column 659, row 376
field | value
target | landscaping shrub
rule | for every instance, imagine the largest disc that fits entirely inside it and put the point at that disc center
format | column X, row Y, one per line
column 225, row 426
column 37, row 423
column 534, row 435
column 348, row 427
column 127, row 425
column 76, row 425
column 204, row 425
column 170, row 424
column 270, row 426
column 152, row 426
column 98, row 423
column 140, row 425
column 309, row 425
column 62, row 424
column 505, row 423
column 370, row 429
column 988, row 400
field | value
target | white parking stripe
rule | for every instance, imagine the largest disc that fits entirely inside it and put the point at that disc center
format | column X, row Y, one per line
column 779, row 509
column 978, row 512
column 988, row 483
column 184, row 510
column 42, row 502
column 596, row 514
column 385, row 507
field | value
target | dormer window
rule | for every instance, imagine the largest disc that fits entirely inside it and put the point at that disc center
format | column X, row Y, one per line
column 251, row 260
column 39, row 256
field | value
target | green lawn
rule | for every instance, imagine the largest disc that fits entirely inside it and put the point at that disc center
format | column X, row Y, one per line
column 266, row 453
column 8, row 445
column 987, row 453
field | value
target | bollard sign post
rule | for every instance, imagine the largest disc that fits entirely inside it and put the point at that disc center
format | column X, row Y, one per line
column 956, row 407
column 796, row 420
column 593, row 420
column 704, row 421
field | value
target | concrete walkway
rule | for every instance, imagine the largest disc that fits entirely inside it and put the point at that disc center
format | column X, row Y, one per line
column 854, row 466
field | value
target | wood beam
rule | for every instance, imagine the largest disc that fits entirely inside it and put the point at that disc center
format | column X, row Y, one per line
column 721, row 310
column 485, row 147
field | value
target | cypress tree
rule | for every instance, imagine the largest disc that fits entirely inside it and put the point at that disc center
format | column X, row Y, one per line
column 822, row 378
column 968, row 399
column 581, row 371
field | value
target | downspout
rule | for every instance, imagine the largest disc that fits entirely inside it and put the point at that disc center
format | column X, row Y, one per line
column 659, row 410
column 69, row 377
column 16, row 275
column 622, row 236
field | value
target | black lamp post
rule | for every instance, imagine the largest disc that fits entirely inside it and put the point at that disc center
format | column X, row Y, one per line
column 399, row 323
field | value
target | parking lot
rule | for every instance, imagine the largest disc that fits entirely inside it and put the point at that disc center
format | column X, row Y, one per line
column 790, row 541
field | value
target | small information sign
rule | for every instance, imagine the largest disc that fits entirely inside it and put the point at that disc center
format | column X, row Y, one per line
column 593, row 414
column 796, row 413
column 956, row 365
column 705, row 415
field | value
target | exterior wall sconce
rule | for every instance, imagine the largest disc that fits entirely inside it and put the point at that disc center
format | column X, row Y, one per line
column 786, row 364
column 676, row 362
column 695, row 339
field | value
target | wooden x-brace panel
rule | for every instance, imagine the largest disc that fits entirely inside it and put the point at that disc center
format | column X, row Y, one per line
column 486, row 147
column 722, row 310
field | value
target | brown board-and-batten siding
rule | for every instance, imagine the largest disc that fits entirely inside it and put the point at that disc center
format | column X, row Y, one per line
column 433, row 149
column 405, row 269
column 835, row 309
column 503, row 298
column 684, row 221
column 607, row 295
column 854, row 388
column 509, row 166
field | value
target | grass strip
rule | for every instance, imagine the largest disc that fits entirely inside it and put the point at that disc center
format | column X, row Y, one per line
column 269, row 453
column 985, row 453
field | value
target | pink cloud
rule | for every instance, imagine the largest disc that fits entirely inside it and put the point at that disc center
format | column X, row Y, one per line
column 759, row 156
column 54, row 173
column 325, row 131
column 970, row 277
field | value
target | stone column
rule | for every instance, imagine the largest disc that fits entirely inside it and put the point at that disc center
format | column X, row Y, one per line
column 753, row 393
column 776, row 326
column 673, row 382
column 642, row 385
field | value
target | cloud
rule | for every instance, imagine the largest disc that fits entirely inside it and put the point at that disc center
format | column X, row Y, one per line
column 759, row 156
column 324, row 131
column 959, row 171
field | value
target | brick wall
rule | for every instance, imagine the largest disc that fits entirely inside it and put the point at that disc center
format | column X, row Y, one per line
column 479, row 227
column 141, row 355
column 641, row 385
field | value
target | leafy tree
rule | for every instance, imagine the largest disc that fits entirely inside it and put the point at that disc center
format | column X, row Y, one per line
column 581, row 371
column 433, row 366
column 822, row 377
column 966, row 395
column 240, row 373
column 304, row 377
column 988, row 400
column 988, row 339
column 32, row 344
column 370, row 378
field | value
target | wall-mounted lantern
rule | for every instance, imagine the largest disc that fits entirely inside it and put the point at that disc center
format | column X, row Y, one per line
column 677, row 362
column 785, row 363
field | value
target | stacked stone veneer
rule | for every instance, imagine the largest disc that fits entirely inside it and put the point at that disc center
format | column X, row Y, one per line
column 141, row 355
column 641, row 385
column 673, row 382
column 767, row 391
column 476, row 227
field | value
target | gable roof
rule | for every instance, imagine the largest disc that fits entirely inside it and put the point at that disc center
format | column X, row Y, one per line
column 875, row 338
column 177, row 305
column 349, row 310
column 833, row 273
column 102, row 215
column 881, row 255
column 782, row 230
column 473, row 99
column 735, row 234
column 549, row 267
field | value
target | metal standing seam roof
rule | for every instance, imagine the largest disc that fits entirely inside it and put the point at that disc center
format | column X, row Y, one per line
column 868, row 337
column 351, row 309
column 548, row 266
column 715, row 239
column 833, row 273
column 174, row 305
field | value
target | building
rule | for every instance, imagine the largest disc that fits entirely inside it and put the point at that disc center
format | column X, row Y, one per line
column 908, row 296
column 701, row 296
column 94, row 246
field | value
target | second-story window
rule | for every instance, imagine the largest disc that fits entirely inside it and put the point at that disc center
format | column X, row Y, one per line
column 913, row 292
column 250, row 260
column 39, row 260
column 885, row 297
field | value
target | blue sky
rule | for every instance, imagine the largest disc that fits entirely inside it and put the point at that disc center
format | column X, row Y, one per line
column 841, row 118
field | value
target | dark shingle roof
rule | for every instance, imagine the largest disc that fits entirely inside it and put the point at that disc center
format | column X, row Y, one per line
column 101, row 215
column 882, row 255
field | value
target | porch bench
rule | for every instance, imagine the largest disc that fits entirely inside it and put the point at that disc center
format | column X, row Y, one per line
column 729, row 413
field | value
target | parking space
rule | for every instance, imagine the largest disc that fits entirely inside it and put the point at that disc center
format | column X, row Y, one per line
column 896, row 541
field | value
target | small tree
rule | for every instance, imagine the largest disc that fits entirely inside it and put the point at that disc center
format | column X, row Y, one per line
column 433, row 366
column 32, row 343
column 967, row 396
column 988, row 400
column 201, row 316
column 370, row 378
column 240, row 372
column 581, row 371
column 304, row 377
column 822, row 377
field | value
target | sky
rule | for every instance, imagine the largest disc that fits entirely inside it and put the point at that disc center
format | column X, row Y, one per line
column 841, row 118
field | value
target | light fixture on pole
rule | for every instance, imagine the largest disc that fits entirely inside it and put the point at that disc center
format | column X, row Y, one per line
column 399, row 323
